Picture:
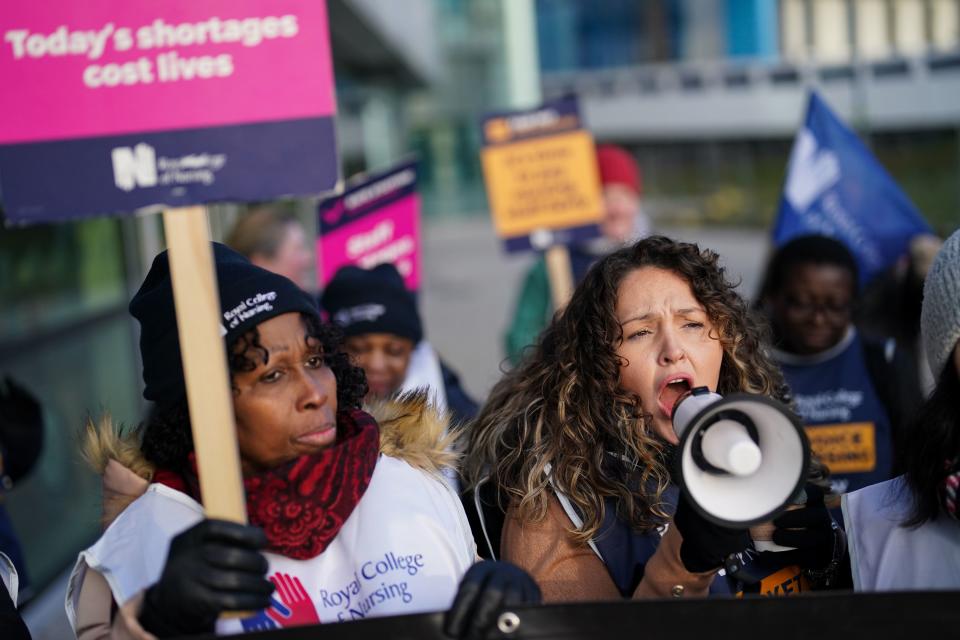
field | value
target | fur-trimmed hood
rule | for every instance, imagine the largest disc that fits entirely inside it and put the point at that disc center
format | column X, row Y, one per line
column 411, row 429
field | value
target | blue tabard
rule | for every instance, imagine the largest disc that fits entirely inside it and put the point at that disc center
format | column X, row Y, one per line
column 847, row 425
column 625, row 552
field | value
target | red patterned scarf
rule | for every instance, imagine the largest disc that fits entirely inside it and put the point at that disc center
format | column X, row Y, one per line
column 302, row 504
column 951, row 488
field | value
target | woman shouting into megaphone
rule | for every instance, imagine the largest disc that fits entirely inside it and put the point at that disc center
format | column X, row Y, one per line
column 574, row 446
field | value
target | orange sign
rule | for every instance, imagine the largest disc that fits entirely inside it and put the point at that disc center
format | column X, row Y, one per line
column 845, row 448
column 541, row 172
column 788, row 581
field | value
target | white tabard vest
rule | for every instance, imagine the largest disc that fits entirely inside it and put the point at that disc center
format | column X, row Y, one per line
column 886, row 556
column 424, row 372
column 402, row 550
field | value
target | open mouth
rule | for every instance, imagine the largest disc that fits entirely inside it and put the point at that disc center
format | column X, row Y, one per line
column 672, row 390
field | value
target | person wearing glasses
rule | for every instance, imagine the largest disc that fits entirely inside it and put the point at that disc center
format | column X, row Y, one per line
column 852, row 393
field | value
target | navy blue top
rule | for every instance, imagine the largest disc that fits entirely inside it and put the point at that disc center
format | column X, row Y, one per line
column 847, row 424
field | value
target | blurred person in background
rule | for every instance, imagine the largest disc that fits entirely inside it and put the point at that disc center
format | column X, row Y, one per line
column 623, row 222
column 275, row 241
column 890, row 305
column 384, row 334
column 905, row 533
column 21, row 443
column 854, row 395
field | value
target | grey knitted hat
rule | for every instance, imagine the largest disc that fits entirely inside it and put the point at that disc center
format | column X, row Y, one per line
column 940, row 318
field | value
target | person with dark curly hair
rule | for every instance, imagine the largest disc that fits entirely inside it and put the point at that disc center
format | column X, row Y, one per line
column 575, row 444
column 905, row 532
column 349, row 515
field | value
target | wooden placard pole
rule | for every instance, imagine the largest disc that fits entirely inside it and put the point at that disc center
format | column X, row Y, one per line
column 204, row 363
column 560, row 275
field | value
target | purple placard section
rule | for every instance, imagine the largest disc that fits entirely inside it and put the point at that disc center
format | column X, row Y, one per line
column 52, row 181
column 124, row 105
column 374, row 221
column 553, row 117
column 546, row 239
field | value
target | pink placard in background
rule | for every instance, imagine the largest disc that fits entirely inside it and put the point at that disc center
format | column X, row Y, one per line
column 388, row 234
column 141, row 65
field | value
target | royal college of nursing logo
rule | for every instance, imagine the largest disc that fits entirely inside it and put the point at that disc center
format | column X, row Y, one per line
column 812, row 172
column 134, row 167
column 140, row 167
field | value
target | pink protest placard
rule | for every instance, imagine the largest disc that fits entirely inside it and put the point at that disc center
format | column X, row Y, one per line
column 374, row 221
column 100, row 67
column 113, row 106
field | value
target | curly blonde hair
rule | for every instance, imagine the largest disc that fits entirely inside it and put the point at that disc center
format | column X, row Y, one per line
column 563, row 406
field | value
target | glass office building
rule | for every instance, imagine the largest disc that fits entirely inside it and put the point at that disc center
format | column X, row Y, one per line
column 709, row 93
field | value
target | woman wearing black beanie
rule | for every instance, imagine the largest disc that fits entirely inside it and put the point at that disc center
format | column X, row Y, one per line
column 349, row 515
column 384, row 334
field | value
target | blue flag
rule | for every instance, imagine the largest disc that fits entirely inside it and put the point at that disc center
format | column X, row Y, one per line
column 836, row 187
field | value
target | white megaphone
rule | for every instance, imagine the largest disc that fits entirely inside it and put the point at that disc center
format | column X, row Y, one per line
column 741, row 457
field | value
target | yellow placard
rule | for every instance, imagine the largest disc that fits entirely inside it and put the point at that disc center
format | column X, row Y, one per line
column 845, row 448
column 550, row 182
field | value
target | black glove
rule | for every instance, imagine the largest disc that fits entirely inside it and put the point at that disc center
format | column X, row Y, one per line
column 487, row 588
column 706, row 545
column 212, row 567
column 811, row 530
column 21, row 429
